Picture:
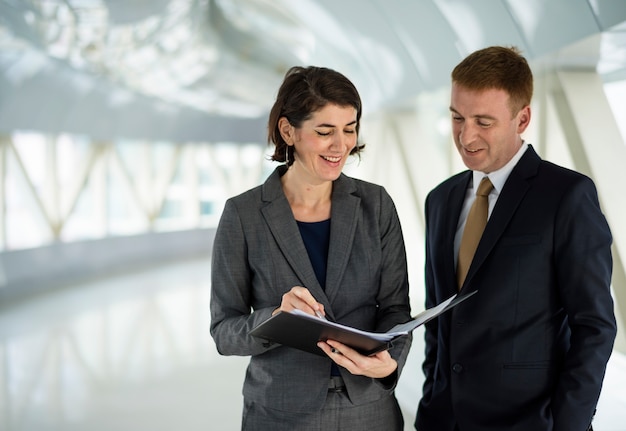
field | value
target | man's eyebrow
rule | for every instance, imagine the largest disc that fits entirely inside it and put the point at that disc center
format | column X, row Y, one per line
column 482, row 116
column 485, row 117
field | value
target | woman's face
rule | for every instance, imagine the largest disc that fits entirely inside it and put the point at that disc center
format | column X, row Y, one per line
column 323, row 142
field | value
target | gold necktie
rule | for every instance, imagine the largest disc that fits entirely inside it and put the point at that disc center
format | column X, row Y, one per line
column 474, row 227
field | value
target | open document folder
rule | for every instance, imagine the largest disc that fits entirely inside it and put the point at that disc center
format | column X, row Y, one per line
column 303, row 331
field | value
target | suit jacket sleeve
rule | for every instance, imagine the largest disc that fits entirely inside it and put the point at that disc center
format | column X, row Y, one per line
column 431, row 328
column 231, row 317
column 393, row 294
column 584, row 266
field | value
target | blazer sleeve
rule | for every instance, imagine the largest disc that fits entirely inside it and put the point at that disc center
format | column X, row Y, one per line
column 231, row 316
column 393, row 296
column 584, row 266
column 431, row 328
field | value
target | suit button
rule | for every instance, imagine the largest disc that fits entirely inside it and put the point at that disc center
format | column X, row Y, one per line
column 457, row 368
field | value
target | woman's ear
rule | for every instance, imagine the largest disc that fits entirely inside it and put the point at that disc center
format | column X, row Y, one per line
column 287, row 131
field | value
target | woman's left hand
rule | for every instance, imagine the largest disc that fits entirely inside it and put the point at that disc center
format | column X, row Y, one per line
column 377, row 366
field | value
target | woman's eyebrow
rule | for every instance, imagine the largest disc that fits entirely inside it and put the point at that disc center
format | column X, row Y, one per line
column 332, row 125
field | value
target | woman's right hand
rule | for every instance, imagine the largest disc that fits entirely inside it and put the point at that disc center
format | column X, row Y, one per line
column 299, row 298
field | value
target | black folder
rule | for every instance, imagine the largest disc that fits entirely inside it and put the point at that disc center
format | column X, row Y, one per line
column 303, row 331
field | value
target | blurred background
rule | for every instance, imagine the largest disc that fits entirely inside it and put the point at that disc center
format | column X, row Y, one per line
column 126, row 124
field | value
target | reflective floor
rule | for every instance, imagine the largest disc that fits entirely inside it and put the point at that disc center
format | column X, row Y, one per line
column 134, row 352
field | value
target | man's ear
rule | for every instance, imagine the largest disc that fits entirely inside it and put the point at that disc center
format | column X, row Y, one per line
column 287, row 131
column 523, row 118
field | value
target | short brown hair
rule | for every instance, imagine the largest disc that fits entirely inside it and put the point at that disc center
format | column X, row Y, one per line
column 499, row 67
column 304, row 91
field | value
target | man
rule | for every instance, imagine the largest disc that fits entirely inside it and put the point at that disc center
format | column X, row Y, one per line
column 528, row 352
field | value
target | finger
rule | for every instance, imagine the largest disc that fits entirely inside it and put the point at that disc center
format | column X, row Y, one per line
column 346, row 356
column 304, row 295
column 340, row 348
column 293, row 300
column 326, row 348
column 382, row 355
column 307, row 302
column 321, row 309
column 330, row 350
column 334, row 354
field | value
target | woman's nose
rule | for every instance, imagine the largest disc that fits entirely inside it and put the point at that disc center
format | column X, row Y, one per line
column 342, row 141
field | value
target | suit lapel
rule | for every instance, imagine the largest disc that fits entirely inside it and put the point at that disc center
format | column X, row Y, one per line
column 514, row 190
column 279, row 218
column 343, row 222
column 454, row 205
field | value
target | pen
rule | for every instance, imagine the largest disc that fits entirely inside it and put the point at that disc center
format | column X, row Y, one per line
column 320, row 315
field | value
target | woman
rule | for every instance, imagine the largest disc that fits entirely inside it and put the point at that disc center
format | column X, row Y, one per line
column 313, row 239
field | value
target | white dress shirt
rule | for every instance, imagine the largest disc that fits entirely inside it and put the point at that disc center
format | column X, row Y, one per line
column 497, row 178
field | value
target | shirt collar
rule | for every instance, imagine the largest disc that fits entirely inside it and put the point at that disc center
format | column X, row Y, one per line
column 499, row 177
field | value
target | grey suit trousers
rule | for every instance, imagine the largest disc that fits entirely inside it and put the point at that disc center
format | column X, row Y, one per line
column 337, row 414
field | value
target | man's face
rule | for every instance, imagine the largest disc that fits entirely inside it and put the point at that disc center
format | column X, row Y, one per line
column 486, row 133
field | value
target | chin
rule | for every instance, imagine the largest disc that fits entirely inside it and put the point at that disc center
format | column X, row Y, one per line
column 470, row 164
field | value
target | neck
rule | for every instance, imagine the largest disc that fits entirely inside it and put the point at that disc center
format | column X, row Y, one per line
column 309, row 202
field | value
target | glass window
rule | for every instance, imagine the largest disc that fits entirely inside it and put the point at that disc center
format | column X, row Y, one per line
column 71, row 188
column 616, row 95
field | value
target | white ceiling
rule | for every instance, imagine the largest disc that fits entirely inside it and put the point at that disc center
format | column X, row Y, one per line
column 184, row 70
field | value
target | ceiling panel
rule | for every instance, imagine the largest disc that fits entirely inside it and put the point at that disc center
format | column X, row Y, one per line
column 190, row 69
column 423, row 32
column 481, row 23
column 549, row 25
column 608, row 12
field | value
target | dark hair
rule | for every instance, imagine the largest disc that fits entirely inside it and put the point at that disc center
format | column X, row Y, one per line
column 304, row 91
column 499, row 67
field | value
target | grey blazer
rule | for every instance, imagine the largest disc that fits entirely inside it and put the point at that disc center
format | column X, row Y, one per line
column 258, row 255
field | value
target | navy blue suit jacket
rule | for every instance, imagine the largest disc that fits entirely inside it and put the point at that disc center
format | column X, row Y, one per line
column 528, row 352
